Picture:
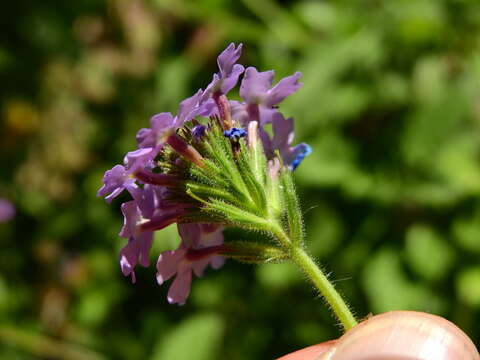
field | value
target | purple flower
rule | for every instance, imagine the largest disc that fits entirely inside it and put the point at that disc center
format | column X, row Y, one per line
column 136, row 252
column 7, row 210
column 159, row 208
column 227, row 78
column 244, row 113
column 282, row 139
column 159, row 188
column 256, row 87
column 115, row 181
column 199, row 248
column 139, row 243
column 159, row 124
column 140, row 159
column 164, row 124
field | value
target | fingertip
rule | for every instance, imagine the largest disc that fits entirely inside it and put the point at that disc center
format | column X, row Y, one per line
column 310, row 353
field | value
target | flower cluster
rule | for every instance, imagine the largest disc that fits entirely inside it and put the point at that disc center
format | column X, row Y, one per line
column 158, row 173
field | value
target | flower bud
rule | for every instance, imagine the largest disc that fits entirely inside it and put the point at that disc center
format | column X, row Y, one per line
column 185, row 149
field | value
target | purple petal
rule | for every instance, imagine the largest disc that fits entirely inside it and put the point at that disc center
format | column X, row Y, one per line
column 284, row 87
column 207, row 108
column 190, row 234
column 255, row 85
column 266, row 142
column 145, row 241
column 136, row 252
column 147, row 201
column 140, row 159
column 168, row 263
column 143, row 138
column 227, row 59
column 188, row 109
column 115, row 181
column 180, row 288
column 199, row 266
column 229, row 72
column 282, row 132
column 230, row 81
column 211, row 235
column 7, row 210
column 217, row 262
column 160, row 124
column 131, row 216
column 239, row 112
column 266, row 115
column 127, row 268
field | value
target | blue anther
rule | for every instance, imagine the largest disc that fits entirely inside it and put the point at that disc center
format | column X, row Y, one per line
column 304, row 150
column 235, row 133
column 199, row 131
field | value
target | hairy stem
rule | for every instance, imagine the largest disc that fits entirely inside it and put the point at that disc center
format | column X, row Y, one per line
column 324, row 286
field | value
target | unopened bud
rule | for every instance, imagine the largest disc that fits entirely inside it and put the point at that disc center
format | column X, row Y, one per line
column 252, row 134
column 224, row 110
column 185, row 150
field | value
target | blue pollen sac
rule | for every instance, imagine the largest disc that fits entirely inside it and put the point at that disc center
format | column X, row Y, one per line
column 235, row 133
column 199, row 131
column 304, row 151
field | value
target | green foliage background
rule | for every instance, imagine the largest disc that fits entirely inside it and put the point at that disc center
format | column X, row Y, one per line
column 390, row 105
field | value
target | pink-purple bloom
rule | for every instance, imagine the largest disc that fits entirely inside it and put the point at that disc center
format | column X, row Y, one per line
column 115, row 181
column 7, row 210
column 256, row 87
column 229, row 71
column 164, row 124
column 198, row 249
column 158, row 192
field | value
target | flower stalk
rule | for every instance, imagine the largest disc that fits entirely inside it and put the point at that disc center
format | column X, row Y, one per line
column 283, row 224
column 324, row 287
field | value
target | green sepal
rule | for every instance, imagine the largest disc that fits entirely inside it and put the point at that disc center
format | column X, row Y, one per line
column 273, row 195
column 254, row 253
column 255, row 187
column 237, row 217
column 210, row 192
column 258, row 162
column 290, row 203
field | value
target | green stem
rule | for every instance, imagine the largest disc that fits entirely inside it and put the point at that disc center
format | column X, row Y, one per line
column 321, row 282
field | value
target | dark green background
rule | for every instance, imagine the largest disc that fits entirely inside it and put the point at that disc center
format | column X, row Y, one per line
column 390, row 105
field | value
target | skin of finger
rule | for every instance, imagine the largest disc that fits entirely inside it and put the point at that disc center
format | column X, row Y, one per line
column 403, row 335
column 310, row 353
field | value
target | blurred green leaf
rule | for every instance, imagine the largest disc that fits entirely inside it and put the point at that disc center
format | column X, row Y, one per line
column 278, row 276
column 196, row 338
column 468, row 286
column 466, row 232
column 428, row 253
column 387, row 286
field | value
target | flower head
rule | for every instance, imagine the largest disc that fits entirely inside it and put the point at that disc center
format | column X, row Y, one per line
column 202, row 170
